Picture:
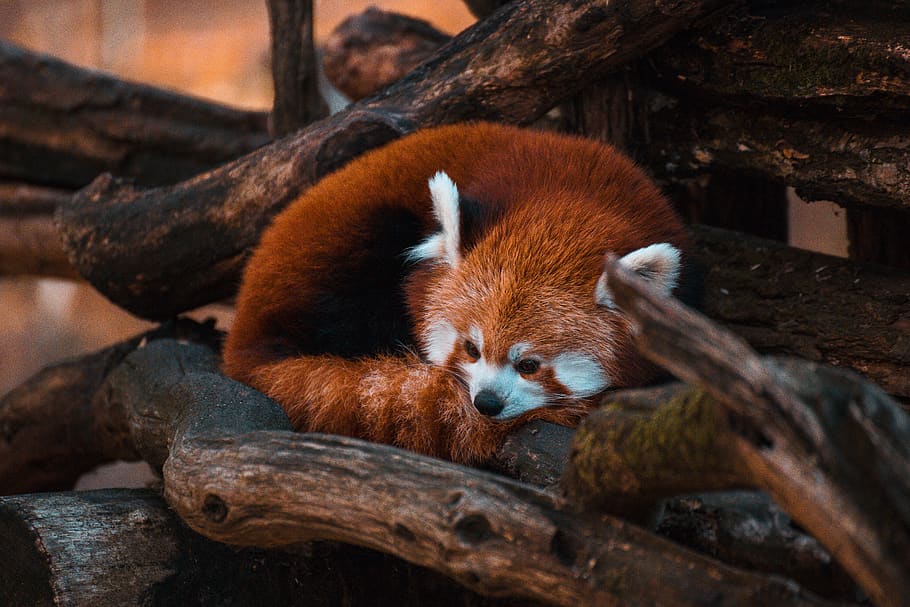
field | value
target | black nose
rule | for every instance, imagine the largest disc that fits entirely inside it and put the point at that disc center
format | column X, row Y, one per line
column 488, row 403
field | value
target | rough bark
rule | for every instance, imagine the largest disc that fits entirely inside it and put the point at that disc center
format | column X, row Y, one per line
column 61, row 125
column 28, row 238
column 369, row 51
column 297, row 98
column 58, row 425
column 832, row 450
column 492, row 535
column 511, row 67
column 142, row 554
column 826, row 309
column 811, row 97
column 747, row 529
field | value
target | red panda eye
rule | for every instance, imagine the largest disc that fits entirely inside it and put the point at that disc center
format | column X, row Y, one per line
column 527, row 366
column 471, row 350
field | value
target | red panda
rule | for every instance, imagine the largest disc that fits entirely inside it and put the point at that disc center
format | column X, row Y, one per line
column 439, row 291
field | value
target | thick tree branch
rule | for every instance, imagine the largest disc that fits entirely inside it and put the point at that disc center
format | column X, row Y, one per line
column 511, row 67
column 833, row 451
column 62, row 125
column 297, row 99
column 826, row 309
column 142, row 554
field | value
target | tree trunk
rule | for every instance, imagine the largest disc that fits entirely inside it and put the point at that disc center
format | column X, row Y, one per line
column 297, row 99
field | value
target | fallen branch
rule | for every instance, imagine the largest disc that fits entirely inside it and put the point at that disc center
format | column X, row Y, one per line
column 799, row 427
column 142, row 554
column 512, row 67
column 63, row 125
column 59, row 424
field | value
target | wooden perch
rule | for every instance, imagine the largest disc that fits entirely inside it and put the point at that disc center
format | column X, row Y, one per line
column 809, row 97
column 63, row 125
column 140, row 553
column 297, row 99
column 511, row 67
column 832, row 450
column 60, row 424
column 167, row 402
column 271, row 489
column 788, row 94
column 826, row 309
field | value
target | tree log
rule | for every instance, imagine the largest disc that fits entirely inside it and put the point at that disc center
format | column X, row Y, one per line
column 59, row 424
column 297, row 98
column 492, row 535
column 826, row 309
column 832, row 450
column 61, row 125
column 169, row 386
column 809, row 97
column 511, row 67
column 28, row 239
column 142, row 554
column 369, row 51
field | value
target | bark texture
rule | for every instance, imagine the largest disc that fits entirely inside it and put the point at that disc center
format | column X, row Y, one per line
column 142, row 554
column 829, row 448
column 810, row 97
column 268, row 489
column 62, row 125
column 511, row 67
column 822, row 308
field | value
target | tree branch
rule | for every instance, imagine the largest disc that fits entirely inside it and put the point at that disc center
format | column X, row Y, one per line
column 511, row 67
column 799, row 426
column 63, row 125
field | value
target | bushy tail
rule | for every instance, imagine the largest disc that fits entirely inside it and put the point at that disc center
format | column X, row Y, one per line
column 398, row 400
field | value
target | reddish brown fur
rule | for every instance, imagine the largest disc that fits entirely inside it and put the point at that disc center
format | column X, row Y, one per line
column 320, row 311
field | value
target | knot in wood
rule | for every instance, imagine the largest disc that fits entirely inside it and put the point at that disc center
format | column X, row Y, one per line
column 214, row 508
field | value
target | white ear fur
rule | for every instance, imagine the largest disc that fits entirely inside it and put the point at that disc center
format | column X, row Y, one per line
column 444, row 246
column 658, row 264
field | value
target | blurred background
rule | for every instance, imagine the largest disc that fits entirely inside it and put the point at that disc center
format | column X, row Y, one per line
column 216, row 50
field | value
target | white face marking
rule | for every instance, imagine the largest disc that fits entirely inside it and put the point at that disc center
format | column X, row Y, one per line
column 444, row 246
column 476, row 336
column 518, row 394
column 580, row 373
column 439, row 340
column 516, row 351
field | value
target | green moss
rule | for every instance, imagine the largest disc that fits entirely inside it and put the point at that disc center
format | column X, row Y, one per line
column 677, row 446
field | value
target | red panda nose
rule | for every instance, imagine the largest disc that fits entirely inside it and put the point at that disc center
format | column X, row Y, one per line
column 488, row 403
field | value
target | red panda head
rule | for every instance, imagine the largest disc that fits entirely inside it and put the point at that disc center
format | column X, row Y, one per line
column 524, row 317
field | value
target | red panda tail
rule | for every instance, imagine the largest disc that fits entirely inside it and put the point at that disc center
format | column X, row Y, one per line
column 390, row 399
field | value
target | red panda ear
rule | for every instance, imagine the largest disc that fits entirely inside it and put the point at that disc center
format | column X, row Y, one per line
column 445, row 245
column 658, row 264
